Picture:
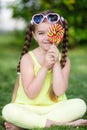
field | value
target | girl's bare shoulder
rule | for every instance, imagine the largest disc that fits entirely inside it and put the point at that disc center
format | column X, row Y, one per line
column 26, row 59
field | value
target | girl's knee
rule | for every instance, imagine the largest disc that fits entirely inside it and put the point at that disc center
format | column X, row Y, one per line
column 81, row 105
column 7, row 111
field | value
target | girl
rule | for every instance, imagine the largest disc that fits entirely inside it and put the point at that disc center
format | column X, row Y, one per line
column 39, row 98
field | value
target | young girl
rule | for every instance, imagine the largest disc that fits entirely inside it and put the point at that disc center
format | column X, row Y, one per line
column 39, row 98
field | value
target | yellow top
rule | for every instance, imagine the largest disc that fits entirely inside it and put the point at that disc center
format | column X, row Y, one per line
column 43, row 97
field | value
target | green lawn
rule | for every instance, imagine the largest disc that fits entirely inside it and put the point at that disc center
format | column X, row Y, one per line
column 9, row 56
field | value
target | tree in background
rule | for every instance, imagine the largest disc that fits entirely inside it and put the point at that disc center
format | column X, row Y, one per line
column 73, row 10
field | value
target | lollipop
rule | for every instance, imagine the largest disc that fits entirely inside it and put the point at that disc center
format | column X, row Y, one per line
column 55, row 34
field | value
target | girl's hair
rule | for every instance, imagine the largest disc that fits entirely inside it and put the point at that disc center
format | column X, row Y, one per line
column 64, row 44
column 26, row 47
column 30, row 29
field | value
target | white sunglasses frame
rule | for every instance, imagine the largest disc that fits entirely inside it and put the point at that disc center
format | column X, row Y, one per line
column 45, row 16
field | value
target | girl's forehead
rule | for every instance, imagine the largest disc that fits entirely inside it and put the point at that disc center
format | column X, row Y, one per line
column 42, row 26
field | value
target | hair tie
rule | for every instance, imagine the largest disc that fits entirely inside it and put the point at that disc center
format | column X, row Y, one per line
column 62, row 18
column 18, row 73
column 31, row 22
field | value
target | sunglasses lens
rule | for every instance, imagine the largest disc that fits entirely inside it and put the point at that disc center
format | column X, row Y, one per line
column 52, row 17
column 38, row 18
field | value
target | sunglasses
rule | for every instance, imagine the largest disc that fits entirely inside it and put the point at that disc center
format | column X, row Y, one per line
column 51, row 17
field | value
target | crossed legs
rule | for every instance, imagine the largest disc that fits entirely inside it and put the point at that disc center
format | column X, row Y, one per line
column 62, row 113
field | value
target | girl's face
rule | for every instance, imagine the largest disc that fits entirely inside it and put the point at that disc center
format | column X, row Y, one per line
column 41, row 35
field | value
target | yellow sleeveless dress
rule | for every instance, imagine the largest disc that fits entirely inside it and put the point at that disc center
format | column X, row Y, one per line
column 43, row 97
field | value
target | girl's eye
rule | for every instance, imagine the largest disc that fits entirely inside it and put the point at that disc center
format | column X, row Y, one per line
column 41, row 33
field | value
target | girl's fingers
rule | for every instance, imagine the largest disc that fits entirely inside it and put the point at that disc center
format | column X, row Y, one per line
column 52, row 54
column 53, row 50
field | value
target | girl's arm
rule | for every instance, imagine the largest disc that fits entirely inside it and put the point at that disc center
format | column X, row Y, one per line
column 32, row 84
column 60, row 77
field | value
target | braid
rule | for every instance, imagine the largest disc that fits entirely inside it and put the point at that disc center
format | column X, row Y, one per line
column 26, row 44
column 65, row 44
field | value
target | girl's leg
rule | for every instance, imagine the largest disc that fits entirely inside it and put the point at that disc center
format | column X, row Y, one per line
column 79, row 122
column 22, row 116
column 66, row 112
column 59, row 114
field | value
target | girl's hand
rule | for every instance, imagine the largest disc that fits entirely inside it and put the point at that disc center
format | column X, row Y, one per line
column 49, row 61
column 51, row 57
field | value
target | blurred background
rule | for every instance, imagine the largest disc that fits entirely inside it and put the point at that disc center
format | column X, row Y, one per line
column 14, row 17
column 15, row 14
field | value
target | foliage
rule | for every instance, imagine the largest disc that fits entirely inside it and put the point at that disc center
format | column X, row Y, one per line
column 72, row 10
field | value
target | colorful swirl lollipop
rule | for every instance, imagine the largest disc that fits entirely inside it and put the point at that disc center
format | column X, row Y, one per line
column 55, row 34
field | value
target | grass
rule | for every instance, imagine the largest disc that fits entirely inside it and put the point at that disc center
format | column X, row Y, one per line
column 9, row 57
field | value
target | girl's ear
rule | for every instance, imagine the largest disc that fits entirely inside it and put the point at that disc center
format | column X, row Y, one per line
column 34, row 36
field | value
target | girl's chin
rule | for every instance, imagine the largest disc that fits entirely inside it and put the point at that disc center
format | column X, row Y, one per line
column 46, row 48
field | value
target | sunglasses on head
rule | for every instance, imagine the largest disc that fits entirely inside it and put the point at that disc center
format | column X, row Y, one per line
column 51, row 17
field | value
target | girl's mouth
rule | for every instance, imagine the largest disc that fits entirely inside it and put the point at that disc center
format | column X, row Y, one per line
column 48, row 42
